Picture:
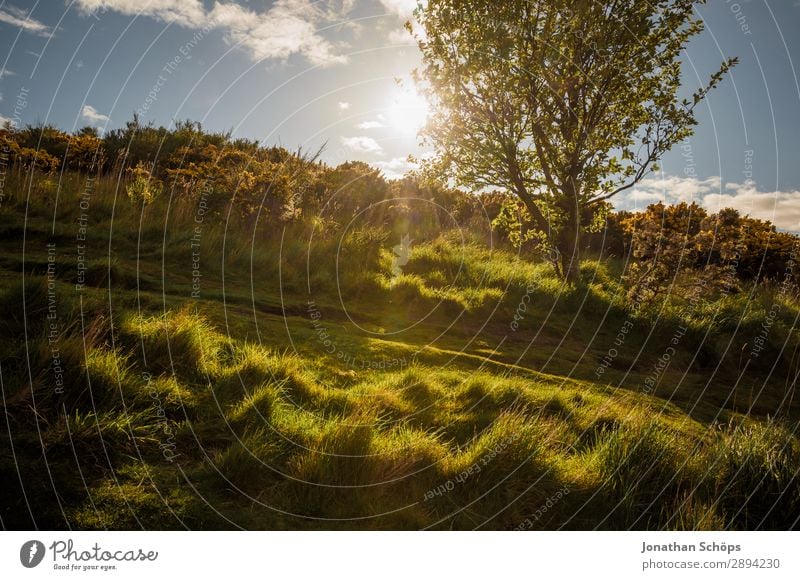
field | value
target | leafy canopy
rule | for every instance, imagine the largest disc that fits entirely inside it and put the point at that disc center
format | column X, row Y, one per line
column 563, row 102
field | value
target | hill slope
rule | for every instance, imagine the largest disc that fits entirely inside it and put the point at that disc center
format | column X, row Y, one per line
column 164, row 372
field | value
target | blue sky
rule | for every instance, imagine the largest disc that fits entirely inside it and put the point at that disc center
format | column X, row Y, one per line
column 301, row 73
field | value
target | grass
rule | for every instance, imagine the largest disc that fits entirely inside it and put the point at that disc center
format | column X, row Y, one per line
column 396, row 402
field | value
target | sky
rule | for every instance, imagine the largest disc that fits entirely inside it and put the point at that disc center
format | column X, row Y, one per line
column 300, row 73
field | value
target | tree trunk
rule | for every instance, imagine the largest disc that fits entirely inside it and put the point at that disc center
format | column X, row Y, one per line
column 569, row 239
column 570, row 253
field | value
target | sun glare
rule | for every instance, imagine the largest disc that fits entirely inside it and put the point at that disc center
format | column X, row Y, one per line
column 407, row 110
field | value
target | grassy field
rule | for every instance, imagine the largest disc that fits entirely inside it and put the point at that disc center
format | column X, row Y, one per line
column 163, row 369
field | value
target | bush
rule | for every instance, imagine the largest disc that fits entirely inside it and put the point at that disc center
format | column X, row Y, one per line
column 144, row 188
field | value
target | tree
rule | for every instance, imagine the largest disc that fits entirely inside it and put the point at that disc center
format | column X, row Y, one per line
column 565, row 103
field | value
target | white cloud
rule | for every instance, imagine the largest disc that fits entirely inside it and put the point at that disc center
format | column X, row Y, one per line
column 188, row 13
column 343, row 105
column 402, row 8
column 402, row 36
column 646, row 197
column 288, row 27
column 21, row 19
column 395, row 168
column 370, row 125
column 782, row 208
column 362, row 144
column 93, row 116
column 674, row 189
column 405, row 10
column 4, row 120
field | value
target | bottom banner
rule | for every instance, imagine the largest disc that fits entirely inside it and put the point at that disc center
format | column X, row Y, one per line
column 356, row 555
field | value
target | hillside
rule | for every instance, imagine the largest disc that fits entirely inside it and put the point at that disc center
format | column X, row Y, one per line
column 174, row 360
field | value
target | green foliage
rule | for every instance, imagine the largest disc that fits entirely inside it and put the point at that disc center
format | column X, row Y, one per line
column 221, row 174
column 143, row 188
column 172, row 403
column 513, row 222
column 556, row 101
column 254, row 429
column 682, row 250
column 757, row 481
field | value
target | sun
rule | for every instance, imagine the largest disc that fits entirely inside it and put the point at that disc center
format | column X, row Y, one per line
column 408, row 110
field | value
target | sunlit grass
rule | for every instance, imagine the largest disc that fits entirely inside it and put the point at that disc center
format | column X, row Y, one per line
column 173, row 404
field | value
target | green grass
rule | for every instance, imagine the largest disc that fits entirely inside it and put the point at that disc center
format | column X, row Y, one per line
column 407, row 402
